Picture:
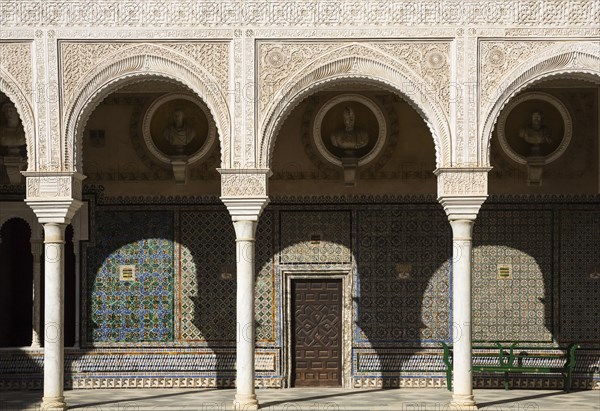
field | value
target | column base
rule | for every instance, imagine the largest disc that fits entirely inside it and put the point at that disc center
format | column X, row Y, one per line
column 462, row 402
column 245, row 402
column 53, row 403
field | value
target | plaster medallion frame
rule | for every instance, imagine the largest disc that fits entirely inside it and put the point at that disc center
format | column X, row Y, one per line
column 557, row 104
column 343, row 274
column 349, row 97
column 146, row 125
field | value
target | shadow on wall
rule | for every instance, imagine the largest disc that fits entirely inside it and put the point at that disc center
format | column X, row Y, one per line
column 401, row 293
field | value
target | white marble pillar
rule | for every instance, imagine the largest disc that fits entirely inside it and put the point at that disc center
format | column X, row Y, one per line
column 245, row 397
column 54, row 243
column 462, row 191
column 36, row 252
column 462, row 396
column 244, row 193
column 77, row 250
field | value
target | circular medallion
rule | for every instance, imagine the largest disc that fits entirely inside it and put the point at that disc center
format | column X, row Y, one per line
column 535, row 125
column 178, row 126
column 349, row 125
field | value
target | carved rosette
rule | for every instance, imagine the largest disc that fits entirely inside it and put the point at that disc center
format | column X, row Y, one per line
column 202, row 72
column 462, row 191
column 574, row 59
column 417, row 76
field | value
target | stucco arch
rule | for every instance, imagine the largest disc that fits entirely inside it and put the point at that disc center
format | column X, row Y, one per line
column 8, row 86
column 394, row 77
column 580, row 61
column 141, row 63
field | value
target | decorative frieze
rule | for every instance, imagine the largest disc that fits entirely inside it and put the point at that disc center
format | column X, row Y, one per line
column 321, row 13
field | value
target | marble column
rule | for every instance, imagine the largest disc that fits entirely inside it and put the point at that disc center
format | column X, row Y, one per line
column 54, row 197
column 77, row 250
column 36, row 252
column 54, row 248
column 245, row 397
column 462, row 395
column 462, row 191
column 244, row 213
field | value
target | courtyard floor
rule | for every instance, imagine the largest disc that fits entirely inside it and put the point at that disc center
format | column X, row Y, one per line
column 302, row 399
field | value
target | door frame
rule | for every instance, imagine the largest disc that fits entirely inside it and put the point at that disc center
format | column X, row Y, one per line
column 344, row 274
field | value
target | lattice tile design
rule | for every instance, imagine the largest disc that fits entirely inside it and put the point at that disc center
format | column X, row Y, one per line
column 131, row 311
column 265, row 299
column 579, row 276
column 315, row 237
column 207, row 302
column 388, row 361
column 519, row 308
column 403, row 275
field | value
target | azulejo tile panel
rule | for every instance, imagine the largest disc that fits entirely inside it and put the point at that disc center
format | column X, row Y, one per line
column 580, row 276
column 315, row 237
column 207, row 294
column 517, row 308
column 403, row 275
column 131, row 311
column 207, row 288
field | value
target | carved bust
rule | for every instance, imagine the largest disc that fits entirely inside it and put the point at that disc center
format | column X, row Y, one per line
column 536, row 133
column 349, row 138
column 12, row 135
column 179, row 134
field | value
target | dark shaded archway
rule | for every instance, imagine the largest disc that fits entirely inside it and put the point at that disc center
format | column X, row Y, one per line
column 16, row 282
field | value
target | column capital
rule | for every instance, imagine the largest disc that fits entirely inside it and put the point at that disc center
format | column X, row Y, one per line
column 462, row 191
column 247, row 182
column 55, row 196
column 244, row 192
column 245, row 208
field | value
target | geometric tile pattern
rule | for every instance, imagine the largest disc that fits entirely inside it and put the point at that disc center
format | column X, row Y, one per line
column 518, row 308
column 207, row 299
column 131, row 311
column 315, row 237
column 265, row 302
column 403, row 275
column 580, row 276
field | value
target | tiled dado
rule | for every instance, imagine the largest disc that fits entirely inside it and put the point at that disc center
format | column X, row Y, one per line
column 144, row 368
column 424, row 368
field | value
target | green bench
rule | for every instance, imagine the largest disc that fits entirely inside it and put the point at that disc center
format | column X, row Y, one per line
column 506, row 361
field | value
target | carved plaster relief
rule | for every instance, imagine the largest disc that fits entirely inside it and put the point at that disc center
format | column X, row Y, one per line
column 243, row 184
column 15, row 60
column 321, row 13
column 16, row 81
column 404, row 67
column 139, row 62
column 578, row 60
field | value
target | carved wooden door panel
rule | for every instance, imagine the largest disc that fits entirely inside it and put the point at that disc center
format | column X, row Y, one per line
column 317, row 333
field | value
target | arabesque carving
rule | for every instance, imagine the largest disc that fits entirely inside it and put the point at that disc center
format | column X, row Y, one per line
column 352, row 62
column 318, row 13
column 138, row 63
column 576, row 60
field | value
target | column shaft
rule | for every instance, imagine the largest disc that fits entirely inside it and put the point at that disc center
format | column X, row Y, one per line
column 245, row 398
column 36, row 252
column 461, row 308
column 54, row 241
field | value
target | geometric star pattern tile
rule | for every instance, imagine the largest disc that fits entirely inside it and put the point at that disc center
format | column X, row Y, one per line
column 315, row 237
column 131, row 311
column 580, row 275
column 207, row 299
column 403, row 275
column 518, row 308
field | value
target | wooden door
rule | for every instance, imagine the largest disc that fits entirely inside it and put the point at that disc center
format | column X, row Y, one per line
column 317, row 333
